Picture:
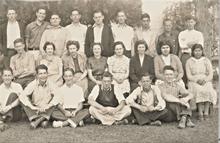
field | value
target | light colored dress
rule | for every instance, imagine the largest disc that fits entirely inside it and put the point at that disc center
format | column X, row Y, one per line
column 53, row 66
column 200, row 69
column 119, row 67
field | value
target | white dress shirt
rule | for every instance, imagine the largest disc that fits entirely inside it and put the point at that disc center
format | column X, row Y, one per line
column 13, row 32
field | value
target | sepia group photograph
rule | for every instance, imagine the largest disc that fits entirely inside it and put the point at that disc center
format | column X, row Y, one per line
column 109, row 71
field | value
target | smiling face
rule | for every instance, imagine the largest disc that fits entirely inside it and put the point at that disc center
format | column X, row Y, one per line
column 97, row 50
column 141, row 49
column 169, row 75
column 197, row 53
column 119, row 50
column 146, row 82
column 165, row 49
column 11, row 15
column 41, row 14
column 49, row 50
column 7, row 77
column 121, row 17
column 72, row 49
column 68, row 77
column 55, row 20
column 42, row 75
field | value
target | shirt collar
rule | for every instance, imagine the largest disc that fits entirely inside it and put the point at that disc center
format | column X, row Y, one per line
column 106, row 89
column 76, row 24
column 10, row 87
column 52, row 27
column 95, row 25
column 38, row 24
column 45, row 85
column 122, row 25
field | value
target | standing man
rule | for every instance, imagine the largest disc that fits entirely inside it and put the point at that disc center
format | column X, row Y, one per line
column 169, row 35
column 39, row 98
column 187, row 39
column 54, row 33
column 76, row 31
column 22, row 64
column 144, row 32
column 70, row 109
column 99, row 33
column 9, row 99
column 34, row 31
column 10, row 31
column 107, row 102
column 124, row 33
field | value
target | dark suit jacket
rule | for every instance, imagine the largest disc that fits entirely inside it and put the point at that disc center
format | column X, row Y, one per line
column 3, row 34
column 106, row 41
column 136, row 71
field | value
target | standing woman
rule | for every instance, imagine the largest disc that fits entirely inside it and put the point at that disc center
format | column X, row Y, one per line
column 53, row 63
column 96, row 66
column 166, row 58
column 73, row 59
column 118, row 66
column 140, row 64
column 200, row 73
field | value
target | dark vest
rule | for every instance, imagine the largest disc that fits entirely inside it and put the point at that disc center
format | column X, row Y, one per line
column 107, row 98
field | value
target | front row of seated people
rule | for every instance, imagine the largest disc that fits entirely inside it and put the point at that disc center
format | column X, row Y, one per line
column 43, row 101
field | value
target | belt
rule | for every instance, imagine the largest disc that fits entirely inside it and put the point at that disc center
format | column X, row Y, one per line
column 33, row 49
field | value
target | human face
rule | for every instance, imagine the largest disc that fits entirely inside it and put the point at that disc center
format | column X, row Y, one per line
column 141, row 49
column 146, row 22
column 119, row 50
column 165, row 49
column 19, row 47
column 12, row 15
column 169, row 75
column 41, row 14
column 97, row 50
column 98, row 18
column 72, row 49
column 68, row 77
column 146, row 82
column 197, row 53
column 121, row 17
column 190, row 24
column 168, row 26
column 7, row 77
column 75, row 16
column 55, row 20
column 42, row 75
column 49, row 50
column 106, row 82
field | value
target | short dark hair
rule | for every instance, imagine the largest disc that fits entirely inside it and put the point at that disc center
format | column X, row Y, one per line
column 168, row 68
column 120, row 10
column 7, row 69
column 139, row 42
column 145, row 15
column 162, row 43
column 49, row 43
column 76, row 9
column 55, row 13
column 98, row 11
column 41, row 67
column 119, row 43
column 41, row 7
column 167, row 19
column 19, row 40
column 68, row 69
column 189, row 17
column 99, row 44
column 197, row 46
column 71, row 42
column 11, row 8
column 146, row 74
column 107, row 74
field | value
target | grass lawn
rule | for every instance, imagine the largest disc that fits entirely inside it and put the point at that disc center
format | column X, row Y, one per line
column 204, row 132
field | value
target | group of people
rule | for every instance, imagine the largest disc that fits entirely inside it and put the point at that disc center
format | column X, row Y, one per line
column 108, row 73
